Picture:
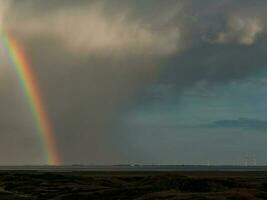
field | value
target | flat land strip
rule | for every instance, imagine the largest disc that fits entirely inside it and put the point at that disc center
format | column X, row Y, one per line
column 139, row 185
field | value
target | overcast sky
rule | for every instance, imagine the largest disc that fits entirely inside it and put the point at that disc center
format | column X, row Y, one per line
column 132, row 81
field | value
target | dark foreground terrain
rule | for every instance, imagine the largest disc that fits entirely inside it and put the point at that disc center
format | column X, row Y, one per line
column 133, row 185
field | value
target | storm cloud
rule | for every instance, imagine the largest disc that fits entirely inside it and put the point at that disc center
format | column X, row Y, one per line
column 93, row 60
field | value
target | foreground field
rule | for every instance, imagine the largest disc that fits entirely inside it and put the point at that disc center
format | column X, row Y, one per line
column 133, row 185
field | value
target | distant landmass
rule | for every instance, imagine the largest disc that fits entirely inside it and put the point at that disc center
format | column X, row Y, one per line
column 135, row 167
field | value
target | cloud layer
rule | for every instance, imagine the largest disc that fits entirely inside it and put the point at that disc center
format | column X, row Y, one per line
column 239, row 123
column 89, row 30
column 242, row 30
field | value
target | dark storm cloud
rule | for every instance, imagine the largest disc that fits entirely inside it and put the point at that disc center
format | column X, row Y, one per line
column 229, row 42
column 92, row 58
column 221, row 41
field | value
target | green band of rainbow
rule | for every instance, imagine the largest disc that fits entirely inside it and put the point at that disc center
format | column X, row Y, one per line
column 32, row 92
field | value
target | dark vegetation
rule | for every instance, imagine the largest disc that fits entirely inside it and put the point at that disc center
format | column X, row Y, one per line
column 133, row 185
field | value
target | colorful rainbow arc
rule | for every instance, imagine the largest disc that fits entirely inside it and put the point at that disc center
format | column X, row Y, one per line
column 33, row 94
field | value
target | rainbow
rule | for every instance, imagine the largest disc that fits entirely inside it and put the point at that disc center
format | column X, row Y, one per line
column 32, row 92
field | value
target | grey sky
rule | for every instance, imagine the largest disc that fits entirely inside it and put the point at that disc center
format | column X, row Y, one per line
column 103, row 64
